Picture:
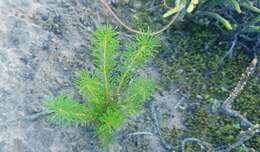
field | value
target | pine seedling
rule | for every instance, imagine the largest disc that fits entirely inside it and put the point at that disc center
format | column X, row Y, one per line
column 113, row 91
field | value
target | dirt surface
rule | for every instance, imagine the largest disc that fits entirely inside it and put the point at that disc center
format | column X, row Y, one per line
column 42, row 44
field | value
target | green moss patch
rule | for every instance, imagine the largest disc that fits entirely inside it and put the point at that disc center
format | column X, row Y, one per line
column 194, row 67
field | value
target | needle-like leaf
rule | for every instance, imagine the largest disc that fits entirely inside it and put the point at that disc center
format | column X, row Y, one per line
column 66, row 111
column 104, row 51
column 138, row 52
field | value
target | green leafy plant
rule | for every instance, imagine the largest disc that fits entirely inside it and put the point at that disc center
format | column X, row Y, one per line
column 240, row 149
column 213, row 8
column 113, row 91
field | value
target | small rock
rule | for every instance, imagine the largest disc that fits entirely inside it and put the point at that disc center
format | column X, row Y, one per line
column 137, row 4
column 19, row 146
column 33, row 108
column 60, row 81
column 115, row 148
column 118, row 2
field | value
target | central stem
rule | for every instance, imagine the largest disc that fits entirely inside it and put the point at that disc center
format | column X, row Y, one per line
column 106, row 89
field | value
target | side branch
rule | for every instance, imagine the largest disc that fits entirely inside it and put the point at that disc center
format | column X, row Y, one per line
column 36, row 116
column 242, row 138
column 202, row 144
column 237, row 90
column 231, row 49
column 158, row 130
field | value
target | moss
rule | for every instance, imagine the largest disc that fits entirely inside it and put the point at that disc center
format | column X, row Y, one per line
column 196, row 70
column 191, row 147
column 254, row 142
column 239, row 149
column 194, row 67
column 216, row 129
column 248, row 102
column 172, row 136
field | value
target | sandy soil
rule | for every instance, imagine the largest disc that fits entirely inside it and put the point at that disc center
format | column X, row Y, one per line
column 42, row 44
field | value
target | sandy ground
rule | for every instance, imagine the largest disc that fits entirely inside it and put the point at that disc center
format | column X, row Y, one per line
column 42, row 44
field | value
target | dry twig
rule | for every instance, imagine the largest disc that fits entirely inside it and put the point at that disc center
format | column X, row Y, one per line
column 157, row 126
column 37, row 116
column 202, row 144
column 237, row 90
column 106, row 5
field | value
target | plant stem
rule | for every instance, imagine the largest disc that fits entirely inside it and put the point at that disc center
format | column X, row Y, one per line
column 129, row 67
column 106, row 91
